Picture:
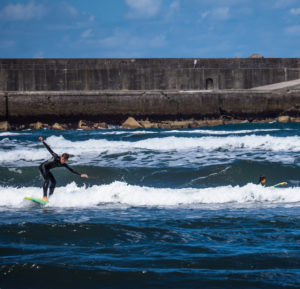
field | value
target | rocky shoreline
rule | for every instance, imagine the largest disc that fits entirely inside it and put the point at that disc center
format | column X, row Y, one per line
column 132, row 123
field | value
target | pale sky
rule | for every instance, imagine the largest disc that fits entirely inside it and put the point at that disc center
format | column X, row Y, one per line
column 149, row 28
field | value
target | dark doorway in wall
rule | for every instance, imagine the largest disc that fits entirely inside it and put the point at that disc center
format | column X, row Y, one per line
column 209, row 83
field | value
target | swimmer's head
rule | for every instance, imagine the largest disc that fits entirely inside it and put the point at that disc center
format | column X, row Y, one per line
column 262, row 180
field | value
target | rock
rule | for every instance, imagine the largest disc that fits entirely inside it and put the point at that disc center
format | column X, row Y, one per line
column 4, row 126
column 175, row 124
column 131, row 123
column 164, row 125
column 266, row 120
column 86, row 125
column 214, row 122
column 36, row 125
column 148, row 124
column 233, row 121
column 283, row 118
column 80, row 123
column 295, row 119
column 100, row 125
column 198, row 123
column 182, row 124
column 19, row 127
column 58, row 126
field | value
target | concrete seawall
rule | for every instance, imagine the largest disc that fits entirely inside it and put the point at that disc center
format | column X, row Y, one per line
column 110, row 90
column 3, row 106
column 116, row 106
column 144, row 74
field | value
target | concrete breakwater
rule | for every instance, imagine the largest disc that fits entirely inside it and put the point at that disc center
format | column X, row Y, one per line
column 157, row 90
column 144, row 74
column 115, row 106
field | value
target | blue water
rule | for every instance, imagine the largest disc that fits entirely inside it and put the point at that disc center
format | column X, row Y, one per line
column 161, row 209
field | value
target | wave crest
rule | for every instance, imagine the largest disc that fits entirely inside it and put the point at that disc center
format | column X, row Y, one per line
column 73, row 196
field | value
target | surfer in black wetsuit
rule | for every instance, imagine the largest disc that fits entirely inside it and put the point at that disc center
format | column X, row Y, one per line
column 262, row 180
column 56, row 161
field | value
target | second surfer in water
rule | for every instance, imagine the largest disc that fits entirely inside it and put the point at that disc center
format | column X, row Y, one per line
column 262, row 180
column 56, row 161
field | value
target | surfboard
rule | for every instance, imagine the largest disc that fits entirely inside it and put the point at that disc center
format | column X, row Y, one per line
column 280, row 184
column 37, row 200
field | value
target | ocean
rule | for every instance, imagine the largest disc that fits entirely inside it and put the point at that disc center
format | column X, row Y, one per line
column 160, row 209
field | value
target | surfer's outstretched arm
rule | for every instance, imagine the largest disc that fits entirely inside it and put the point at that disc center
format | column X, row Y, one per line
column 47, row 147
column 71, row 170
column 74, row 172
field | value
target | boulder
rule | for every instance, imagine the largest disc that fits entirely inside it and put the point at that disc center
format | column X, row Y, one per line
column 233, row 121
column 266, row 120
column 214, row 122
column 164, row 125
column 174, row 124
column 205, row 122
column 36, row 125
column 131, row 123
column 100, row 125
column 198, row 123
column 295, row 119
column 4, row 126
column 20, row 127
column 86, row 125
column 148, row 124
column 180, row 124
column 283, row 119
column 58, row 126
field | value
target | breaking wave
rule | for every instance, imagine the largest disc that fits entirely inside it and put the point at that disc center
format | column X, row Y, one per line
column 121, row 193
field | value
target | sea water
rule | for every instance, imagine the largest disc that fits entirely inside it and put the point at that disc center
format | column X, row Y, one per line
column 160, row 209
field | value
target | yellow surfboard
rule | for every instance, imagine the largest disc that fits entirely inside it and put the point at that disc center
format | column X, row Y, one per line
column 280, row 184
column 37, row 200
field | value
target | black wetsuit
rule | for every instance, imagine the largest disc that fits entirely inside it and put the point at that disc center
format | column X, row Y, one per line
column 45, row 168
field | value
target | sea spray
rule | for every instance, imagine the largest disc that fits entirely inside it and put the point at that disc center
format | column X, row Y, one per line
column 212, row 148
column 139, row 196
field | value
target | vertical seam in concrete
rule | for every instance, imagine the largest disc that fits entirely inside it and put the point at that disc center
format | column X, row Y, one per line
column 6, row 106
column 285, row 74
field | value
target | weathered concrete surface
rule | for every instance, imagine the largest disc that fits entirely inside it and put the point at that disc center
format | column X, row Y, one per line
column 144, row 74
column 281, row 85
column 113, row 89
column 2, row 106
column 103, row 105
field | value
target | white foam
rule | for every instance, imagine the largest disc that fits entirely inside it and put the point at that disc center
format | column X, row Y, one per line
column 220, row 132
column 121, row 193
column 120, row 132
column 86, row 151
column 182, row 131
column 180, row 143
column 15, row 170
column 10, row 133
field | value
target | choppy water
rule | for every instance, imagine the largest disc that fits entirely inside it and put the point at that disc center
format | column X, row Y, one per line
column 161, row 209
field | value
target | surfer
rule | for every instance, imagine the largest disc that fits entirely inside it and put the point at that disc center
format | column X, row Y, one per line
column 56, row 161
column 262, row 180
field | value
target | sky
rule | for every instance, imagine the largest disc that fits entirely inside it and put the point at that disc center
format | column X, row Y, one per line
column 149, row 28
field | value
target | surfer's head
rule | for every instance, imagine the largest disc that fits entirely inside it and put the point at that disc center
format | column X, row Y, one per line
column 262, row 180
column 64, row 157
